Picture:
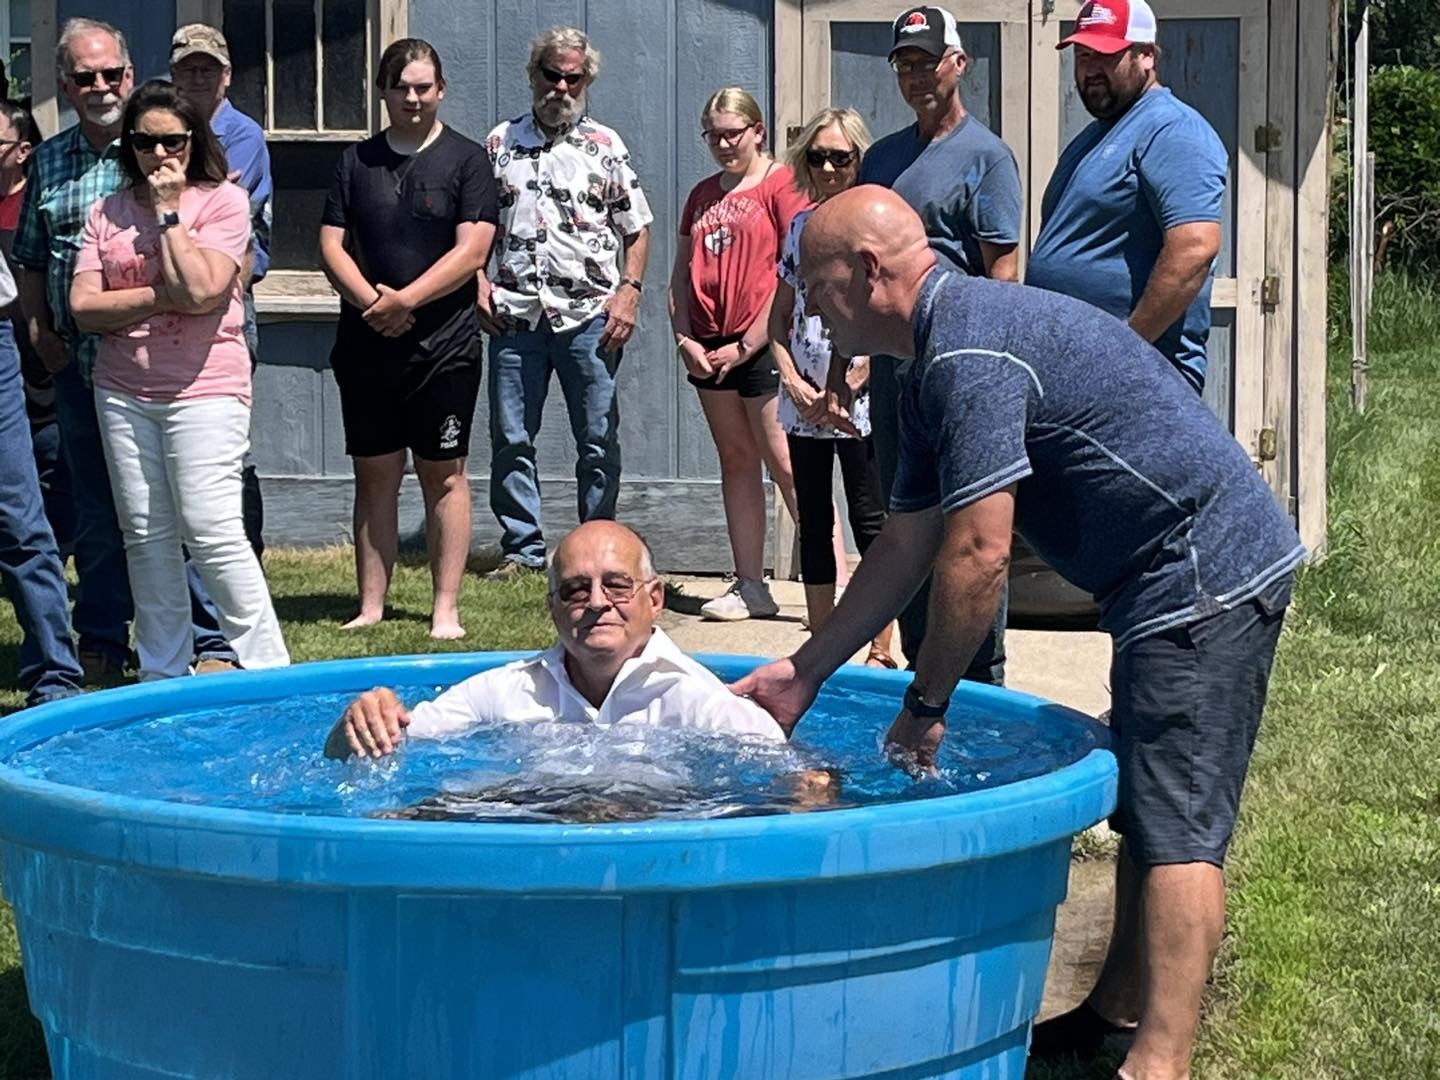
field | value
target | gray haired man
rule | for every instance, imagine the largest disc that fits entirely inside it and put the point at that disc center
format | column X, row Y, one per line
column 568, row 260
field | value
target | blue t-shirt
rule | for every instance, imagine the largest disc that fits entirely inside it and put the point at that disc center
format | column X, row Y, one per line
column 1119, row 185
column 965, row 186
column 244, row 144
column 1127, row 484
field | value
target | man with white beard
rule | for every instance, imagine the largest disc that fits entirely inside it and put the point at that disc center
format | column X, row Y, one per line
column 68, row 175
column 563, row 292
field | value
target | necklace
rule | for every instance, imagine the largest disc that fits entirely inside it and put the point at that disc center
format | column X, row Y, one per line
column 405, row 169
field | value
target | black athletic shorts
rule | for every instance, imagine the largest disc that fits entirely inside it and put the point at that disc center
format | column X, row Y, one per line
column 756, row 377
column 1185, row 711
column 402, row 395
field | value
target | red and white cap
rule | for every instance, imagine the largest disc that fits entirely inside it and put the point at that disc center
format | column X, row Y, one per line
column 1111, row 26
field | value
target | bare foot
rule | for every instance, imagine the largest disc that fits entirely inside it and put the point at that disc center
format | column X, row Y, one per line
column 446, row 630
column 362, row 620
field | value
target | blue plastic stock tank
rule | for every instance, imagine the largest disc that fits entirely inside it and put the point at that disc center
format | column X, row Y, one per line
column 166, row 940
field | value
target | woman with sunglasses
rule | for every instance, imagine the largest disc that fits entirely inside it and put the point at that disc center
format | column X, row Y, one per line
column 721, row 287
column 826, row 160
column 158, row 278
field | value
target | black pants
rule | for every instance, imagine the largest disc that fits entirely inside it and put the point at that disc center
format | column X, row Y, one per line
column 811, row 462
column 887, row 381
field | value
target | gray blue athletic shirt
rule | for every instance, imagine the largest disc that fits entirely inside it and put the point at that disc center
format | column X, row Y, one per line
column 1127, row 484
column 965, row 186
column 1118, row 186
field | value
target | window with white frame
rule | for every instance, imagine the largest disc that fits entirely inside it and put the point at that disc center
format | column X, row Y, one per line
column 303, row 70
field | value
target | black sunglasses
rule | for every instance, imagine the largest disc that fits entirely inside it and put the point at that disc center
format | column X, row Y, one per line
column 173, row 144
column 569, row 78
column 86, row 79
column 839, row 158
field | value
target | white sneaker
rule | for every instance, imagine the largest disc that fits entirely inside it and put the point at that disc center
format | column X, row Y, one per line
column 746, row 599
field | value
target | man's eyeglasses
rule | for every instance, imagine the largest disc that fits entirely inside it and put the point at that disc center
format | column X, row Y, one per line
column 726, row 136
column 618, row 589
column 146, row 144
column 86, row 79
column 841, row 159
column 569, row 78
column 919, row 67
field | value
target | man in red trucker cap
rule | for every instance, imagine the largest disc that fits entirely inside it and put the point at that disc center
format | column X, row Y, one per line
column 1130, row 220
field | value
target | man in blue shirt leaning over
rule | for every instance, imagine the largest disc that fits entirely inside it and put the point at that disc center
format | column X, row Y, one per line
column 1130, row 221
column 1008, row 419
column 200, row 69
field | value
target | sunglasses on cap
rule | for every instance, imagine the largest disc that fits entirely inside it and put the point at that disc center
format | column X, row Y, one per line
column 173, row 144
column 569, row 78
column 86, row 79
column 839, row 158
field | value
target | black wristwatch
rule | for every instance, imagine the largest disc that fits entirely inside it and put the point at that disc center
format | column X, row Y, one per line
column 167, row 220
column 918, row 707
column 634, row 283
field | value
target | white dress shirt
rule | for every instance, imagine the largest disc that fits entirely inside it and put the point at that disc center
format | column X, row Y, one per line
column 662, row 687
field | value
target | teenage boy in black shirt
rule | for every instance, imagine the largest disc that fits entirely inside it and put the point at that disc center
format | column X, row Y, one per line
column 407, row 226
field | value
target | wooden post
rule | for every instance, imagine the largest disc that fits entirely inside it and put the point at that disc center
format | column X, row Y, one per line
column 1359, row 153
column 1280, row 182
column 44, row 88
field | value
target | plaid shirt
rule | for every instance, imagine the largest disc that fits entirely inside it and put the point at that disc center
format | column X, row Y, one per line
column 67, row 177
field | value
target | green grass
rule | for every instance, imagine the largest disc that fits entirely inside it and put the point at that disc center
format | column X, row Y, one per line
column 1331, row 967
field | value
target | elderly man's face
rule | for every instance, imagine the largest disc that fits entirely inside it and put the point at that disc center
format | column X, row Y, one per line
column 603, row 605
column 99, row 80
column 1110, row 83
column 927, row 83
column 558, row 87
column 203, row 80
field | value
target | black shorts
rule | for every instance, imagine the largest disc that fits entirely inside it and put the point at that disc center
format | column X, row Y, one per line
column 1186, row 707
column 756, row 377
column 397, row 396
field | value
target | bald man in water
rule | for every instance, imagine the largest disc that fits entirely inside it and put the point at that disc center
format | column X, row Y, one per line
column 612, row 664
column 1010, row 418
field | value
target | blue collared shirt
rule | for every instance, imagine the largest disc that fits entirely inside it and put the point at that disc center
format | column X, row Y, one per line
column 244, row 143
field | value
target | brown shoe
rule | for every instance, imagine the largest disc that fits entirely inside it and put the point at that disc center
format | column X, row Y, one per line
column 101, row 669
column 513, row 569
column 214, row 665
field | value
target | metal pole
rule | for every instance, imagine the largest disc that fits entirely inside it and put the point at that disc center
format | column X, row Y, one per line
column 1361, row 218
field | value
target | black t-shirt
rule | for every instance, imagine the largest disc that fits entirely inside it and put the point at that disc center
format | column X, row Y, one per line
column 401, row 212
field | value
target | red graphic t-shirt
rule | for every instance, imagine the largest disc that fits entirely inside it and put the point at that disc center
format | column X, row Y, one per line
column 735, row 241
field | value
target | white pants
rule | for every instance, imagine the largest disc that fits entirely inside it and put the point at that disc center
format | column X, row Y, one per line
column 175, row 470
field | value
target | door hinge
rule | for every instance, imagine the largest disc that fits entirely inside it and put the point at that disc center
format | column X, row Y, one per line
column 792, row 133
column 1269, row 292
column 1267, row 139
column 1268, row 444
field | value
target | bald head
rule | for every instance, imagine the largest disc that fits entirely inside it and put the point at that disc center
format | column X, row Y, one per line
column 607, row 539
column 863, row 257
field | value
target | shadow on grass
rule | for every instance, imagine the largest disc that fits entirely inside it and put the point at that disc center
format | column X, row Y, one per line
column 22, row 1048
column 1101, row 1068
column 332, row 607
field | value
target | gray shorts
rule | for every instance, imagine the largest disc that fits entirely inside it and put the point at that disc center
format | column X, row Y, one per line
column 1185, row 712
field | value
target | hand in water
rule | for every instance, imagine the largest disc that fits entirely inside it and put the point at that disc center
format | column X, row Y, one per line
column 912, row 742
column 370, row 727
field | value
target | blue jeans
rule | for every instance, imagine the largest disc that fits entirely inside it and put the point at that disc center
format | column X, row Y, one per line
column 33, row 576
column 520, row 366
column 887, row 383
column 103, row 606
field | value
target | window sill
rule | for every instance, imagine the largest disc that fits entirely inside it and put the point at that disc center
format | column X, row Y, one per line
column 295, row 294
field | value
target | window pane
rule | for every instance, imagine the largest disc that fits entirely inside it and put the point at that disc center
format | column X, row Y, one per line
column 18, row 70
column 245, row 32
column 345, row 74
column 294, row 59
column 302, row 173
column 20, row 18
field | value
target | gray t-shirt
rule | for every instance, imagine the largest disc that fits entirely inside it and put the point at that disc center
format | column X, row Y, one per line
column 1127, row 484
column 965, row 186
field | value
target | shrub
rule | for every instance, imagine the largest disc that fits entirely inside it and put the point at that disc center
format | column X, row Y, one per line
column 1405, row 137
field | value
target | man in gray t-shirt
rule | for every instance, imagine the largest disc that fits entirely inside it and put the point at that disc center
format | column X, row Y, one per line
column 963, row 182
column 1009, row 419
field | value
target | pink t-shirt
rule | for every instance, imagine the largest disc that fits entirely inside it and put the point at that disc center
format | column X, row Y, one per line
column 169, row 357
column 735, row 240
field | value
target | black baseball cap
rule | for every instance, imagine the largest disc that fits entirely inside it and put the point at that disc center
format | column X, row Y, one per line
column 930, row 28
